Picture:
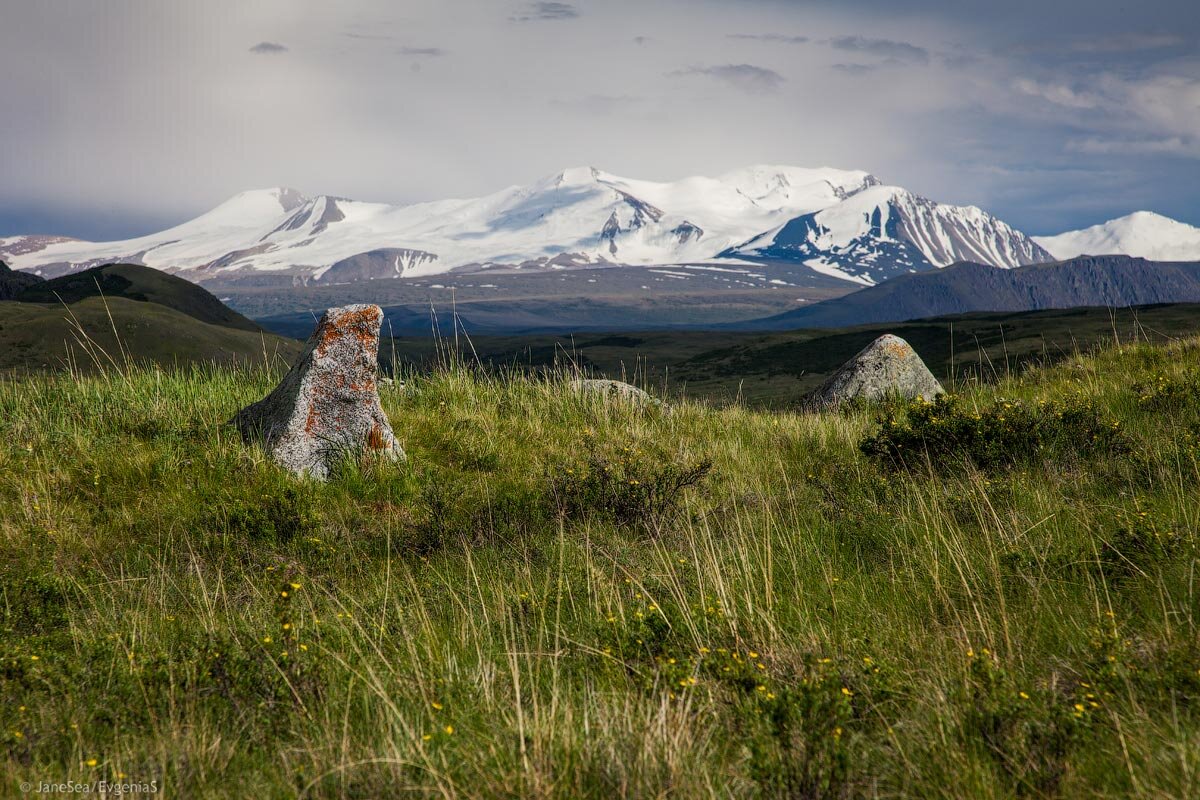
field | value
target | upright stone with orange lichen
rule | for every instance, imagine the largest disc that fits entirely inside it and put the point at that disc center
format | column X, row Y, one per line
column 327, row 406
column 887, row 367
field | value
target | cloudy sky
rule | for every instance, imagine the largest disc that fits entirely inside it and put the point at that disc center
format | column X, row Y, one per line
column 121, row 117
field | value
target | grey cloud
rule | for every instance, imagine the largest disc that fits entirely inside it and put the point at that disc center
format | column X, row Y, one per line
column 1132, row 42
column 599, row 103
column 901, row 51
column 268, row 48
column 1173, row 145
column 428, row 52
column 855, row 69
column 206, row 133
column 1127, row 42
column 958, row 60
column 1058, row 93
column 770, row 37
column 744, row 76
column 546, row 11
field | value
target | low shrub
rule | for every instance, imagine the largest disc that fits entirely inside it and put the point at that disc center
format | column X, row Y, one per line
column 1139, row 542
column 453, row 510
column 800, row 751
column 1170, row 393
column 629, row 486
column 273, row 513
column 1029, row 734
column 33, row 604
column 945, row 434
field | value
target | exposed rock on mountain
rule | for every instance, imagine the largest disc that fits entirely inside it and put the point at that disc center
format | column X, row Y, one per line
column 387, row 262
column 884, row 231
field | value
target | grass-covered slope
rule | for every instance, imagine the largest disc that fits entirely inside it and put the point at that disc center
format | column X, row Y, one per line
column 987, row 598
column 778, row 369
column 135, row 282
column 102, row 333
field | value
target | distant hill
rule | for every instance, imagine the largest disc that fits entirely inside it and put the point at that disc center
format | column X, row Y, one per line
column 36, row 337
column 123, row 312
column 143, row 284
column 1114, row 281
column 13, row 283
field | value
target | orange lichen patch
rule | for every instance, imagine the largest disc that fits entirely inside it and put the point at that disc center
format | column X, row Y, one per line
column 360, row 324
column 376, row 440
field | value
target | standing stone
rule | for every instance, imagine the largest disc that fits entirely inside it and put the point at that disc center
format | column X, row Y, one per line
column 887, row 367
column 327, row 406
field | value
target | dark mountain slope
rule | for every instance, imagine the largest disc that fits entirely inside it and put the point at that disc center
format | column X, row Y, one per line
column 144, row 284
column 13, row 283
column 1115, row 281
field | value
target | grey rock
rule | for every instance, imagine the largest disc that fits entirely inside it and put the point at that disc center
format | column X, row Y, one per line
column 616, row 390
column 386, row 262
column 887, row 367
column 327, row 406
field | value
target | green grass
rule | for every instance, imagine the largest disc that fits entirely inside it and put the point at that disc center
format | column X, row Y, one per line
column 775, row 370
column 97, row 334
column 556, row 597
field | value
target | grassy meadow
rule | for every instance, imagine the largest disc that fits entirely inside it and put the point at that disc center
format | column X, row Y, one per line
column 560, row 597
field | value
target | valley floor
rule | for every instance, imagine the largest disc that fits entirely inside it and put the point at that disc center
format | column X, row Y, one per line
column 555, row 597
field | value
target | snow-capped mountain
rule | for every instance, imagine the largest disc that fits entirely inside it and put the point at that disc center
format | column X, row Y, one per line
column 839, row 222
column 1142, row 233
column 884, row 231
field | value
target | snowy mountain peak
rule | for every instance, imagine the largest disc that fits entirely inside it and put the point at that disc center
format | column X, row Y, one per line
column 844, row 223
column 274, row 200
column 576, row 176
column 881, row 231
column 1142, row 233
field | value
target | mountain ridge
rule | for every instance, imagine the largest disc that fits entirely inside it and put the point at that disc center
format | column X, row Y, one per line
column 581, row 216
column 1088, row 281
column 13, row 283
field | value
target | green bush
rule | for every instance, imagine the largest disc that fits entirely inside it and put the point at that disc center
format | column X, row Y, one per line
column 273, row 513
column 1029, row 734
column 33, row 604
column 1139, row 542
column 801, row 751
column 629, row 487
column 945, row 434
column 1170, row 393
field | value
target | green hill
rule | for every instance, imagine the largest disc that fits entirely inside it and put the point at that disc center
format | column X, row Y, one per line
column 85, row 335
column 144, row 284
column 563, row 598
column 779, row 368
column 124, row 314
